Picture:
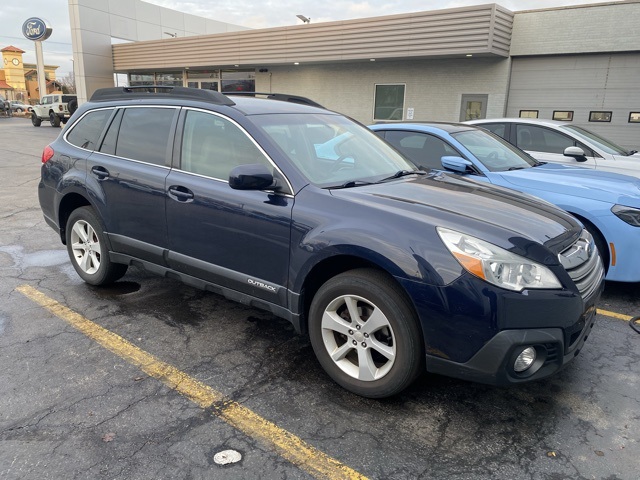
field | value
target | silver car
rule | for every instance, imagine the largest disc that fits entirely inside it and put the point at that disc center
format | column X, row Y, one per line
column 558, row 142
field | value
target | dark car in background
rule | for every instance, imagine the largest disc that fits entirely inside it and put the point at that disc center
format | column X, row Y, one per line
column 306, row 214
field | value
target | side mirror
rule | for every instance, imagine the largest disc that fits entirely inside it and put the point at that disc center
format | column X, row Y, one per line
column 250, row 177
column 575, row 152
column 456, row 164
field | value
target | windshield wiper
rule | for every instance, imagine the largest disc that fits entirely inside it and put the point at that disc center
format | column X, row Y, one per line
column 537, row 164
column 632, row 152
column 511, row 169
column 403, row 173
column 350, row 183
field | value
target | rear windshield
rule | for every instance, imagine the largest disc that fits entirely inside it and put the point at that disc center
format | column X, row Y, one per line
column 67, row 98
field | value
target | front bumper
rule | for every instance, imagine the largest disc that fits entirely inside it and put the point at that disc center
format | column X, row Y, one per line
column 493, row 364
column 474, row 331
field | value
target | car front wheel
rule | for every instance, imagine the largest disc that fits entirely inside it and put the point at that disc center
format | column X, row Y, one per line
column 35, row 120
column 87, row 249
column 365, row 333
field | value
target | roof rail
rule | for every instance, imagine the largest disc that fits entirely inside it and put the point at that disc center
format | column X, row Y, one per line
column 284, row 97
column 163, row 91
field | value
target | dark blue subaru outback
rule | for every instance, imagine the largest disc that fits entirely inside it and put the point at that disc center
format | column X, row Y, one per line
column 304, row 213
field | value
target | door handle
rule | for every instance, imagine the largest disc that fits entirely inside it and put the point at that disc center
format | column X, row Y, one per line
column 100, row 172
column 180, row 193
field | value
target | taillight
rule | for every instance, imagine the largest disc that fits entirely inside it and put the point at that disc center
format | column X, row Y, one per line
column 47, row 154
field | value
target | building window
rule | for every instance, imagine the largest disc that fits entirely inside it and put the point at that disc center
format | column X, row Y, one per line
column 169, row 78
column 563, row 115
column 634, row 117
column 528, row 113
column 389, row 102
column 136, row 79
column 239, row 80
column 599, row 116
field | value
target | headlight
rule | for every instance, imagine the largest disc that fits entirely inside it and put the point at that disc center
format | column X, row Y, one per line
column 628, row 215
column 497, row 265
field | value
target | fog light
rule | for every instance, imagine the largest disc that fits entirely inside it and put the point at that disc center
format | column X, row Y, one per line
column 525, row 359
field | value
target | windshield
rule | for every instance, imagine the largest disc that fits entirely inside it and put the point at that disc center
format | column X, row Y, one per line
column 331, row 150
column 493, row 152
column 599, row 142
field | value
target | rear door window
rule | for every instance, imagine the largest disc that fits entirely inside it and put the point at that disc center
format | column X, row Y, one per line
column 145, row 134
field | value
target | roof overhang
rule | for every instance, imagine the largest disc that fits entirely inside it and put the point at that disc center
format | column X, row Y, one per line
column 482, row 30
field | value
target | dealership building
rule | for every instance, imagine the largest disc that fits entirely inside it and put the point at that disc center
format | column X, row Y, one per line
column 578, row 64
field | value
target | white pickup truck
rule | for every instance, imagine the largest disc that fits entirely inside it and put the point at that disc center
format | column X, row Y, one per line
column 56, row 107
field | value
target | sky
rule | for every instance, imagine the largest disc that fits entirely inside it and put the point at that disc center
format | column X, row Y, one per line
column 249, row 13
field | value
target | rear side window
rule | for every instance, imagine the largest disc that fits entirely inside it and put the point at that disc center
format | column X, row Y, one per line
column 145, row 134
column 87, row 130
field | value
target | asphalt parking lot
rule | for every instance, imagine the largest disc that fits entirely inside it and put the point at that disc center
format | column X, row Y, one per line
column 151, row 378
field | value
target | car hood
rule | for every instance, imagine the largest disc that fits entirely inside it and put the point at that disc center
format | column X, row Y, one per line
column 489, row 212
column 576, row 181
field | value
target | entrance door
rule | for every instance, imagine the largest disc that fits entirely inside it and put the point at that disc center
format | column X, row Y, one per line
column 473, row 107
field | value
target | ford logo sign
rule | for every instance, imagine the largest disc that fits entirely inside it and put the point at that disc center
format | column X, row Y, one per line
column 36, row 29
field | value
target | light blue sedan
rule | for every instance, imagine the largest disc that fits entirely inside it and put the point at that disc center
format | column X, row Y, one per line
column 608, row 204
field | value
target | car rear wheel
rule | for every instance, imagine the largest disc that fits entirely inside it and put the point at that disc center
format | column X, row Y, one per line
column 365, row 333
column 87, row 249
column 35, row 120
column 54, row 120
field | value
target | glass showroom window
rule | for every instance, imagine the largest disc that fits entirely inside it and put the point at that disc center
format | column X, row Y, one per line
column 389, row 102
column 169, row 78
column 137, row 79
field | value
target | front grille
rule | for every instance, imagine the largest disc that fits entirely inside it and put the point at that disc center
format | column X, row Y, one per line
column 583, row 264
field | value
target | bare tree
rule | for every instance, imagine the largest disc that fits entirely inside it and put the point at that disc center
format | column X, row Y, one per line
column 68, row 83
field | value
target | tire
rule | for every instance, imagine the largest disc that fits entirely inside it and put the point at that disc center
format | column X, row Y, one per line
column 374, row 360
column 601, row 244
column 54, row 119
column 87, row 248
column 72, row 106
column 35, row 120
column 19, row 110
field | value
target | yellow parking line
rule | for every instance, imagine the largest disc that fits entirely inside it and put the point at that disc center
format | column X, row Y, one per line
column 619, row 316
column 289, row 446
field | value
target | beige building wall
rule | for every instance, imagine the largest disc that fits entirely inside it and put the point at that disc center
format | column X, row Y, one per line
column 94, row 23
column 434, row 88
column 606, row 27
